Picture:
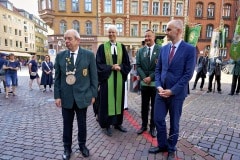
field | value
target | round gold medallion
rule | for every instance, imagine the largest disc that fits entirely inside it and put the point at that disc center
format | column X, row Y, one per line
column 70, row 79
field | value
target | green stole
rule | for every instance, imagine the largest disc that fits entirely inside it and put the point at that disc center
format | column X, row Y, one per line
column 114, row 103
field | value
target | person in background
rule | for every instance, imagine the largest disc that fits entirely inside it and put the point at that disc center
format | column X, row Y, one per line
column 75, row 88
column 113, row 66
column 33, row 72
column 11, row 66
column 214, row 70
column 174, row 70
column 2, row 75
column 146, row 63
column 235, row 78
column 47, row 73
column 202, row 65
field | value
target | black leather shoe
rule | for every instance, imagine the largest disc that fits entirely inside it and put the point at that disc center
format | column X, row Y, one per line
column 193, row 88
column 66, row 155
column 153, row 132
column 156, row 150
column 141, row 130
column 108, row 132
column 171, row 156
column 84, row 150
column 231, row 94
column 120, row 128
column 209, row 91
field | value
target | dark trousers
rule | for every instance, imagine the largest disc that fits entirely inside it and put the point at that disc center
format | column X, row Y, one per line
column 68, row 117
column 148, row 94
column 162, row 107
column 235, row 82
column 218, row 78
column 199, row 75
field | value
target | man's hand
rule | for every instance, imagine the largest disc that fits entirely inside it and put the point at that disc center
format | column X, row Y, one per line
column 165, row 93
column 147, row 80
column 58, row 102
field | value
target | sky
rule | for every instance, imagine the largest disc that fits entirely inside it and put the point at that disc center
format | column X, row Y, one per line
column 29, row 5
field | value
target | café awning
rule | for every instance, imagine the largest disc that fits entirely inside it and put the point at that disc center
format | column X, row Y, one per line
column 18, row 54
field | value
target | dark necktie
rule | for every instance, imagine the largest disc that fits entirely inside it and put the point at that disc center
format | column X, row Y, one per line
column 171, row 54
column 71, row 65
column 149, row 54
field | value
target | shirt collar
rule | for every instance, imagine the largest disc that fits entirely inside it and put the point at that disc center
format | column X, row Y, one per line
column 76, row 51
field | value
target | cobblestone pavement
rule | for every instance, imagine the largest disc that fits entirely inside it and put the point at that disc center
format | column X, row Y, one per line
column 31, row 128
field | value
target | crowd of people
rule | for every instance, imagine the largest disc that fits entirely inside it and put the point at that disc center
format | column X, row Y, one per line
column 10, row 65
column 83, row 79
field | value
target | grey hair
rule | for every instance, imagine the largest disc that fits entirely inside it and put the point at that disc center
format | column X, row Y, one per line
column 113, row 27
column 75, row 33
column 177, row 23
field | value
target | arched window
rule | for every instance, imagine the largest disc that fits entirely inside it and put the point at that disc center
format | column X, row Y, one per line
column 75, row 25
column 211, row 10
column 199, row 10
column 226, row 13
column 88, row 28
column 209, row 30
column 226, row 27
column 63, row 27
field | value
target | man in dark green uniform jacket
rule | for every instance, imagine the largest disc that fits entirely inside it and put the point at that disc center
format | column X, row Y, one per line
column 75, row 88
column 146, row 62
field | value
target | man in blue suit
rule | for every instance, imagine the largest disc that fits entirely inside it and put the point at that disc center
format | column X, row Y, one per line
column 75, row 88
column 174, row 70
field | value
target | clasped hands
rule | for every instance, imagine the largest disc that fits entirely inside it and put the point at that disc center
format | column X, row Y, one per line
column 116, row 67
column 165, row 93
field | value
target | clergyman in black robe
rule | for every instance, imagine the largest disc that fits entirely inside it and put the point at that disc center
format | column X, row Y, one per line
column 113, row 66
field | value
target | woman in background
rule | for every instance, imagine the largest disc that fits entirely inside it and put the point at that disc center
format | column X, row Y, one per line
column 47, row 76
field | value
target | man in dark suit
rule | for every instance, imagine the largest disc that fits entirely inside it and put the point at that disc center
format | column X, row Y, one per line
column 214, row 70
column 146, row 62
column 75, row 88
column 174, row 70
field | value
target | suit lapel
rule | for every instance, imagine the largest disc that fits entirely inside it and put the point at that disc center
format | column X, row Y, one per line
column 154, row 53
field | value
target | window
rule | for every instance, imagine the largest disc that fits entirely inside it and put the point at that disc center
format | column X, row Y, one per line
column 155, row 28
column 120, row 29
column 20, row 33
column 145, row 8
column 75, row 6
column 43, row 4
column 49, row 4
column 75, row 25
column 119, row 6
column 89, row 28
column 164, row 28
column 179, row 9
column 210, row 10
column 209, row 31
column 199, row 10
column 6, row 42
column 226, row 11
column 63, row 27
column 134, row 30
column 20, row 44
column 16, row 43
column 26, row 39
column 155, row 8
column 88, row 5
column 166, row 9
column 10, row 29
column 134, row 7
column 105, row 28
column 144, row 28
column 5, row 29
column 226, row 30
column 108, row 6
column 62, row 5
